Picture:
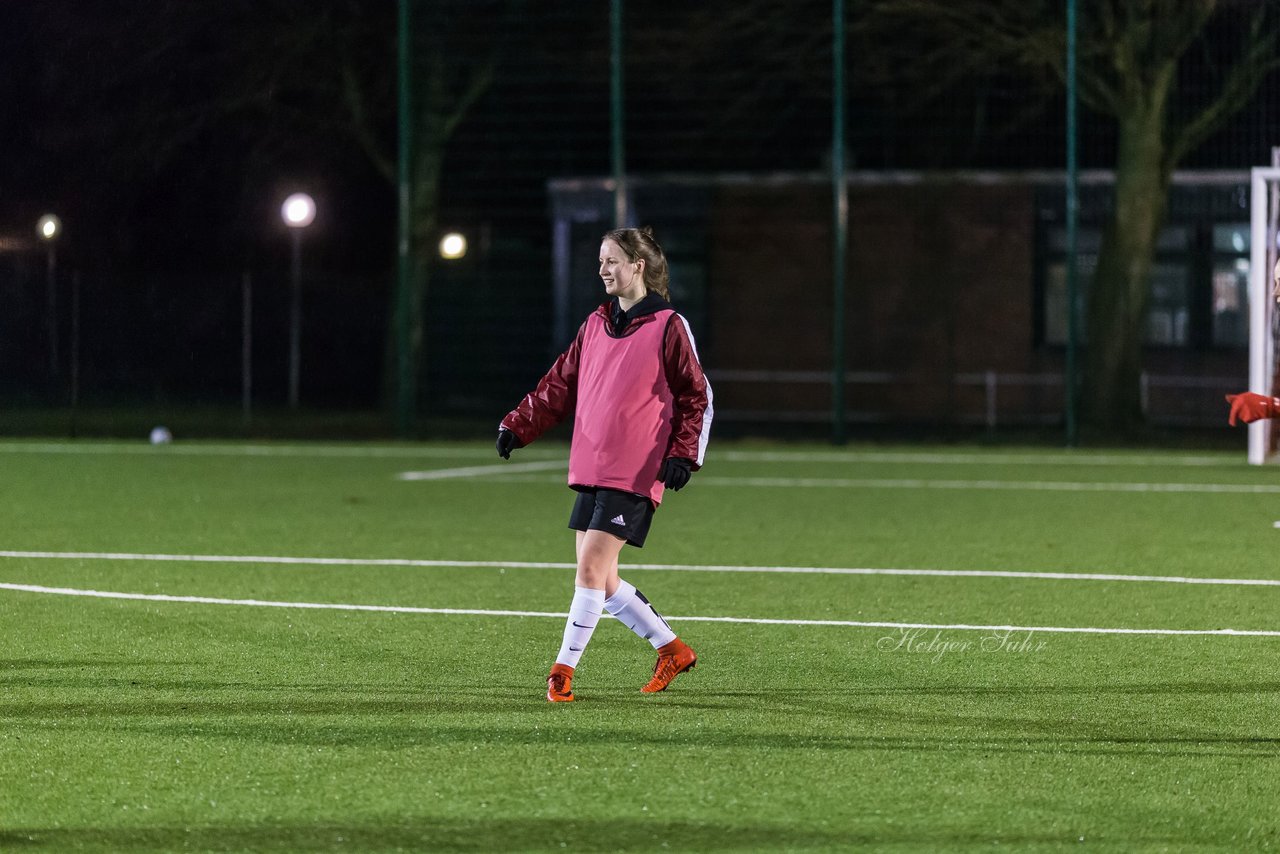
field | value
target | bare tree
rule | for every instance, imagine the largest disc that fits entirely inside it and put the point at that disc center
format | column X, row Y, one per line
column 1132, row 60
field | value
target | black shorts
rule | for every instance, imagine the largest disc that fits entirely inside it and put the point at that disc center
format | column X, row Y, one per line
column 623, row 514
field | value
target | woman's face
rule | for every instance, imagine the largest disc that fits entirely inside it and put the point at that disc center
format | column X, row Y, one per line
column 622, row 278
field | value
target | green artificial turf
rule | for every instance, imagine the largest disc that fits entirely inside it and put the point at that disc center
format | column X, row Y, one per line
column 156, row 725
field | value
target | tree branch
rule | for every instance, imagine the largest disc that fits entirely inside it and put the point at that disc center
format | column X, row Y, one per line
column 360, row 128
column 1260, row 57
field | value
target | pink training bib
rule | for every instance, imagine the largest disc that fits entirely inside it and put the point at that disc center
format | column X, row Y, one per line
column 622, row 424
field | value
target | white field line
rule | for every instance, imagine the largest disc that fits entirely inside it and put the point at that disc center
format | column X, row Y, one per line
column 479, row 471
column 218, row 450
column 965, row 458
column 514, row 471
column 483, row 612
column 1035, row 485
column 852, row 457
column 266, row 451
column 667, row 567
column 922, row 483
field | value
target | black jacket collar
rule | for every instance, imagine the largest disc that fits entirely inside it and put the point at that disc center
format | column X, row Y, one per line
column 619, row 320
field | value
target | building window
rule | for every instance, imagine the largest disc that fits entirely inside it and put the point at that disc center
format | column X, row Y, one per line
column 1167, row 314
column 1230, row 303
column 1168, row 301
column 1055, row 298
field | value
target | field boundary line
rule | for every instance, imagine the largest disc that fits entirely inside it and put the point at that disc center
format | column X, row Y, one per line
column 478, row 471
column 663, row 567
column 302, row 449
column 952, row 484
column 486, row 612
column 1009, row 485
column 970, row 458
column 216, row 450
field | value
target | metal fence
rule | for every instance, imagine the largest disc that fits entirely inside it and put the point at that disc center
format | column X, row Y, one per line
column 989, row 399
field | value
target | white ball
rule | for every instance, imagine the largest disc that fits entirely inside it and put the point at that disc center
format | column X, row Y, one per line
column 161, row 436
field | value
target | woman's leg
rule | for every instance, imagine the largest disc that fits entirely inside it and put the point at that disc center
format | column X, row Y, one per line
column 597, row 574
column 598, row 560
column 633, row 610
column 598, row 570
column 597, row 566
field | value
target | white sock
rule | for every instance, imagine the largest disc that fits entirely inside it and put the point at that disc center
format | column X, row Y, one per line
column 629, row 605
column 584, row 613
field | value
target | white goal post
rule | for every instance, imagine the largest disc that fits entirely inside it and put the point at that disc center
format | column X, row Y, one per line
column 1264, row 203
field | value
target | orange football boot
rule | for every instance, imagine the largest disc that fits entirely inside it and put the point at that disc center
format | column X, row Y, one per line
column 560, row 684
column 673, row 659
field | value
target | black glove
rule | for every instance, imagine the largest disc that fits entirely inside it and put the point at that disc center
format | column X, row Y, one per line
column 675, row 472
column 507, row 442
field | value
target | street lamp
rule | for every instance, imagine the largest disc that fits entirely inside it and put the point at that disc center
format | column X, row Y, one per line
column 298, row 211
column 49, row 227
column 453, row 246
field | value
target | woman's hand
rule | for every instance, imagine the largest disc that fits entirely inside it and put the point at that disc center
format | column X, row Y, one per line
column 675, row 472
column 507, row 442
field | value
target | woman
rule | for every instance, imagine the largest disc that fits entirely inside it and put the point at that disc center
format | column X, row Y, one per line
column 642, row 414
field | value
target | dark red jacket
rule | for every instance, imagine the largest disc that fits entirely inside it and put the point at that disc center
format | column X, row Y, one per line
column 604, row 335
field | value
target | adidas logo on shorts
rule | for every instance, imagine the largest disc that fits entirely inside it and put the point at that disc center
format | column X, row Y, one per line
column 618, row 520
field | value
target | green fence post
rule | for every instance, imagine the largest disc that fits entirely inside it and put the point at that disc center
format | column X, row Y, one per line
column 616, row 110
column 839, row 225
column 1073, row 217
column 404, row 391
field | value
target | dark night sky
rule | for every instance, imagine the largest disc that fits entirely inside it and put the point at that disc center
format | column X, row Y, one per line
column 117, row 113
column 166, row 133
